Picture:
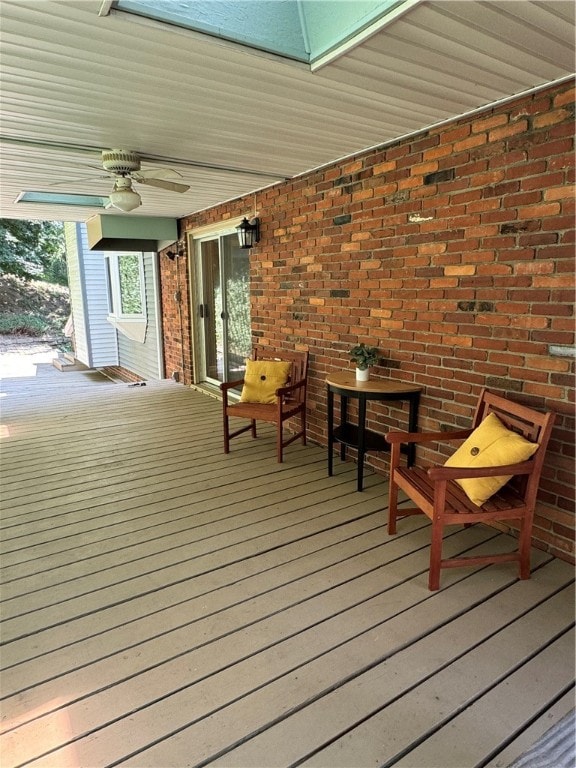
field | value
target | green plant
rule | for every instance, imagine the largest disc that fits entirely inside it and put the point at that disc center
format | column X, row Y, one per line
column 32, row 307
column 33, row 250
column 364, row 356
column 20, row 323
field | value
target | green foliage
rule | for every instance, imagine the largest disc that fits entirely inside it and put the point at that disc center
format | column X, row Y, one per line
column 20, row 300
column 56, row 272
column 25, row 324
column 364, row 356
column 33, row 250
column 130, row 288
column 239, row 331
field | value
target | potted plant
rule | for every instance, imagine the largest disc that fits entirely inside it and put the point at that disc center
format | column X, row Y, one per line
column 364, row 357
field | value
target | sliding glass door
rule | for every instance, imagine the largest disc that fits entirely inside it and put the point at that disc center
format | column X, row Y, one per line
column 222, row 305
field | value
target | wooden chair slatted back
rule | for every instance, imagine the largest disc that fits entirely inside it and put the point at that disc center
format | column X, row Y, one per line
column 299, row 365
column 533, row 425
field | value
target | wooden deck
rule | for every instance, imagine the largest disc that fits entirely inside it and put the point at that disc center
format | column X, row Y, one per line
column 165, row 605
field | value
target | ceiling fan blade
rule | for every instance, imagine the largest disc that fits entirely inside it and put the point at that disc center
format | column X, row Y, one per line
column 157, row 173
column 77, row 181
column 171, row 186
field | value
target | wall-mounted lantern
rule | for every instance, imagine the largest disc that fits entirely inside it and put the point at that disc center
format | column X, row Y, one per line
column 248, row 232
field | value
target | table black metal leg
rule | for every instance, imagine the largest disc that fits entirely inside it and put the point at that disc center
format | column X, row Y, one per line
column 361, row 440
column 343, row 421
column 330, row 402
column 414, row 402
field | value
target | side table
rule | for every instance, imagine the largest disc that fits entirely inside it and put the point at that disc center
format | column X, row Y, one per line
column 344, row 384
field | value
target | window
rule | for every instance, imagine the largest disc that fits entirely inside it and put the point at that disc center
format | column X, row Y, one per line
column 126, row 294
column 129, row 277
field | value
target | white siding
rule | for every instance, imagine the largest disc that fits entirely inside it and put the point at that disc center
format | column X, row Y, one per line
column 96, row 344
column 73, row 258
column 144, row 358
column 103, row 345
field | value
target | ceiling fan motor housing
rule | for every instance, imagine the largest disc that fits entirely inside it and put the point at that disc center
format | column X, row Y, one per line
column 120, row 161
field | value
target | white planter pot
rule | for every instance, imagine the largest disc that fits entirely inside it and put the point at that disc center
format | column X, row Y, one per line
column 362, row 375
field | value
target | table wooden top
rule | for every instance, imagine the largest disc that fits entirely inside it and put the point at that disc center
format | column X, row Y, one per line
column 347, row 380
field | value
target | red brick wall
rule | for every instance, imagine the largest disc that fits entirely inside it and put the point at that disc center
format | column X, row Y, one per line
column 119, row 373
column 453, row 252
column 175, row 311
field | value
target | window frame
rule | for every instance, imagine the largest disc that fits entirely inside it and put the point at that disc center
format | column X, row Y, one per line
column 132, row 325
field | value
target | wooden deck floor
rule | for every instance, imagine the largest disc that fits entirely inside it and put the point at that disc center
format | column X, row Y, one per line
column 165, row 605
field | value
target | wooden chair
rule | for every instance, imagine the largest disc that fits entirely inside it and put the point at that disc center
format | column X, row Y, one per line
column 290, row 401
column 442, row 500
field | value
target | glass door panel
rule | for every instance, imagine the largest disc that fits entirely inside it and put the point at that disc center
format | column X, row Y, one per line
column 210, row 311
column 237, row 311
column 223, row 298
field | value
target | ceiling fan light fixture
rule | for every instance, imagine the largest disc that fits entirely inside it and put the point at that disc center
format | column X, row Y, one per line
column 123, row 196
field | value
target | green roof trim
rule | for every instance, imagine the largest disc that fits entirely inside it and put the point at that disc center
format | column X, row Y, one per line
column 269, row 25
column 63, row 198
column 303, row 30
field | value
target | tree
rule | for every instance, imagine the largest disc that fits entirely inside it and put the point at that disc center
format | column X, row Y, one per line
column 33, row 250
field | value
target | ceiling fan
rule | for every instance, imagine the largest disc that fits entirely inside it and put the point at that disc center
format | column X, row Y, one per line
column 124, row 166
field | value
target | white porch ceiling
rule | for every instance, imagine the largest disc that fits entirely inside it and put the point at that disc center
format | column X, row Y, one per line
column 231, row 119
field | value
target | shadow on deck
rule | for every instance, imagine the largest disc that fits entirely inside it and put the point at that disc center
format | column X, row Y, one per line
column 166, row 605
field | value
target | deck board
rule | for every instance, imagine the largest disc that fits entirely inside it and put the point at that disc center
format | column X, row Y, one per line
column 165, row 605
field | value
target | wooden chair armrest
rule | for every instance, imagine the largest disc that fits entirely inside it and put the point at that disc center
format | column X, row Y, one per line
column 426, row 437
column 453, row 473
column 281, row 391
column 226, row 385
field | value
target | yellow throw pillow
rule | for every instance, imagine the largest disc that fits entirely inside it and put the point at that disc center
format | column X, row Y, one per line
column 262, row 379
column 490, row 445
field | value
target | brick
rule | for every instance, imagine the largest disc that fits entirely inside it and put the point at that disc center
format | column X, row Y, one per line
column 554, row 281
column 431, row 248
column 353, row 167
column 541, row 181
column 558, row 147
column 566, row 97
column 559, row 193
column 534, row 169
column 470, row 142
column 482, row 231
column 485, row 179
column 543, row 390
column 534, row 268
column 437, row 152
column 486, row 123
column 550, row 118
column 451, row 134
column 462, row 269
column 539, row 211
column 497, row 134
column 423, row 168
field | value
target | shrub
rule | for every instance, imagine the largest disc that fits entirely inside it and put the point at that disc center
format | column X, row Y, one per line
column 32, row 307
column 20, row 323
